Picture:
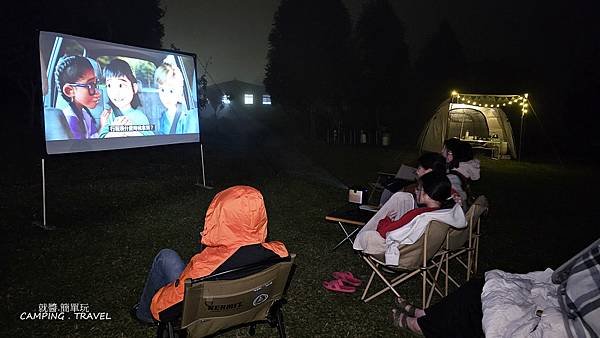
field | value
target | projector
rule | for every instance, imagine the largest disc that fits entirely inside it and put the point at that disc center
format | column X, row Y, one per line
column 357, row 195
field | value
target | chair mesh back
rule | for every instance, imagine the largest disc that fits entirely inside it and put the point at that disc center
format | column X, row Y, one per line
column 458, row 237
column 211, row 306
column 411, row 255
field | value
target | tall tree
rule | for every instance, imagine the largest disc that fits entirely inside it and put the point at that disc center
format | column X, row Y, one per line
column 308, row 60
column 441, row 65
column 383, row 61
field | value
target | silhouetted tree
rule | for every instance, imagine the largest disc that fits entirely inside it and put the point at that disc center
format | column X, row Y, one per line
column 383, row 63
column 440, row 67
column 308, row 58
column 441, row 64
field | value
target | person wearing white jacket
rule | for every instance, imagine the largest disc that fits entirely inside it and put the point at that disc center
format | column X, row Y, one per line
column 398, row 222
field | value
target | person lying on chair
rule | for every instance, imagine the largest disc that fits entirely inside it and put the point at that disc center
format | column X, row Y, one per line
column 399, row 221
column 235, row 230
column 561, row 303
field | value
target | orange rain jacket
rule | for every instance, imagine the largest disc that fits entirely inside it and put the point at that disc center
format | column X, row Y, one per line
column 236, row 217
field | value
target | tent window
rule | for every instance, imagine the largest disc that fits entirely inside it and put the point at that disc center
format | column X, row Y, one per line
column 468, row 120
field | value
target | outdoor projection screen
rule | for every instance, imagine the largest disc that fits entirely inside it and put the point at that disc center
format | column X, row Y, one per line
column 100, row 95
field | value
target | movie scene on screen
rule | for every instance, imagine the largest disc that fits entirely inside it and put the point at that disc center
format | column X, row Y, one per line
column 100, row 95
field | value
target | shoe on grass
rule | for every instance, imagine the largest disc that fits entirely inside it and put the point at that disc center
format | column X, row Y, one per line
column 133, row 312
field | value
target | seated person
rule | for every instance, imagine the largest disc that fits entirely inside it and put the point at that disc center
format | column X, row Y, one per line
column 563, row 303
column 462, row 167
column 399, row 222
column 235, row 230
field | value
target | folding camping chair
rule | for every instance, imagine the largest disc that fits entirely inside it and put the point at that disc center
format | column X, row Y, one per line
column 216, row 303
column 419, row 257
column 462, row 245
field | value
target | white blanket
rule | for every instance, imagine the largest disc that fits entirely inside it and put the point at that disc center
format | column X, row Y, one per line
column 521, row 305
column 411, row 232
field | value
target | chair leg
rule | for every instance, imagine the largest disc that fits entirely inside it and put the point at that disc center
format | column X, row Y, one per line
column 424, row 288
column 280, row 325
column 367, row 286
column 476, row 254
column 170, row 328
column 446, row 272
column 160, row 330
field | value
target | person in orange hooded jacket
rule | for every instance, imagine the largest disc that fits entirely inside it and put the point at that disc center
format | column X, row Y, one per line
column 235, row 230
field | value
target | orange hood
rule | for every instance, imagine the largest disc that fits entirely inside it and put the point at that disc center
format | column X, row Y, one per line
column 236, row 217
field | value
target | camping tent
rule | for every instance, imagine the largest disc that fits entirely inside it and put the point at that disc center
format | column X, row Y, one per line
column 478, row 119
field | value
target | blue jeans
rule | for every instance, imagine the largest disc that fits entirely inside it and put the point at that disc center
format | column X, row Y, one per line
column 166, row 268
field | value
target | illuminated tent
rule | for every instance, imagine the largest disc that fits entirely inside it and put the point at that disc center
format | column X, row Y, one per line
column 479, row 119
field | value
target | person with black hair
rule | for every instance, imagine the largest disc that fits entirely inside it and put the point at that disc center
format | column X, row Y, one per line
column 122, row 90
column 462, row 168
column 402, row 219
column 425, row 163
column 78, row 85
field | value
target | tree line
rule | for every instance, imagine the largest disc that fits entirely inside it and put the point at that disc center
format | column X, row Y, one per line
column 327, row 70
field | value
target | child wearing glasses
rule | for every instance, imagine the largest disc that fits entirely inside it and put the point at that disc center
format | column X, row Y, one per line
column 173, row 120
column 124, row 118
column 78, row 85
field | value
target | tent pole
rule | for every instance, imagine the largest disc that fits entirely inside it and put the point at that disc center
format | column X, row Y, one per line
column 521, row 137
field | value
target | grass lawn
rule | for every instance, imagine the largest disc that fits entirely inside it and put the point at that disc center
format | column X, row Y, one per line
column 114, row 211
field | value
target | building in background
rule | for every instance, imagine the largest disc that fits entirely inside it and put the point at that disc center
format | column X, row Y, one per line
column 238, row 95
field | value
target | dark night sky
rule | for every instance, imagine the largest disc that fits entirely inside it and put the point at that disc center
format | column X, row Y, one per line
column 235, row 32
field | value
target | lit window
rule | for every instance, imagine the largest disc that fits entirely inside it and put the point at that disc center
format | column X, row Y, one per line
column 248, row 99
column 225, row 99
column 266, row 99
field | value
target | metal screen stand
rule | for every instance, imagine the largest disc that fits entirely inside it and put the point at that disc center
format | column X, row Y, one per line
column 203, row 184
column 44, row 225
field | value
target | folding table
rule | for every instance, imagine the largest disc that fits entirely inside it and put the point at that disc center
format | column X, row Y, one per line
column 350, row 218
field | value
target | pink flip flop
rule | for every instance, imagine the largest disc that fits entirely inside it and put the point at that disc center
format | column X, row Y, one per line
column 336, row 285
column 347, row 277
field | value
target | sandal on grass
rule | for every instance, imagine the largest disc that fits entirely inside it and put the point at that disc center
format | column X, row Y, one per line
column 337, row 285
column 347, row 277
column 406, row 307
column 400, row 320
